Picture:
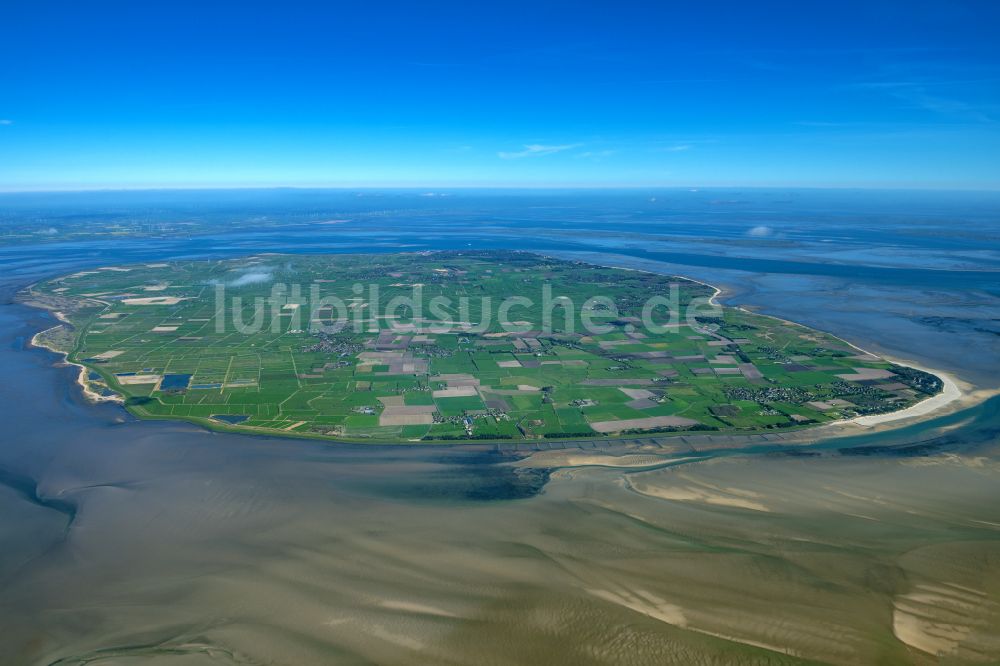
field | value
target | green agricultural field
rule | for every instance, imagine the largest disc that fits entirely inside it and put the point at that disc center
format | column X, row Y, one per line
column 430, row 346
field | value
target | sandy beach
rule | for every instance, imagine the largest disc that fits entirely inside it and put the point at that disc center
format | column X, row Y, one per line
column 955, row 394
column 81, row 379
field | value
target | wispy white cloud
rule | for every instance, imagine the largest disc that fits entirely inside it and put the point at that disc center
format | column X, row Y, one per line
column 4, row 121
column 536, row 150
column 253, row 277
column 679, row 148
column 939, row 96
column 920, row 98
column 596, row 154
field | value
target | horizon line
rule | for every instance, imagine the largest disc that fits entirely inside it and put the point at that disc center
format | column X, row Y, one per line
column 508, row 187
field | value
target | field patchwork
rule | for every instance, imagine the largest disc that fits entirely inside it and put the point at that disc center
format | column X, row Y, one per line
column 455, row 346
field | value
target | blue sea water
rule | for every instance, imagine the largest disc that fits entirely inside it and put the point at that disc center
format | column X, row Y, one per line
column 912, row 273
column 915, row 275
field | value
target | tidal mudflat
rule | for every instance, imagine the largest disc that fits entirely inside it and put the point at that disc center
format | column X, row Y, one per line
column 226, row 549
column 130, row 541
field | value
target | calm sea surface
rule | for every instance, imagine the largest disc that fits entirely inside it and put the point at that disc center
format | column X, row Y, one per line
column 88, row 494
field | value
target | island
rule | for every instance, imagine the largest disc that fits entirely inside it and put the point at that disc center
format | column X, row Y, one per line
column 452, row 346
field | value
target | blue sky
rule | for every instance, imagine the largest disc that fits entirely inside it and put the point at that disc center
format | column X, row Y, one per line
column 176, row 94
